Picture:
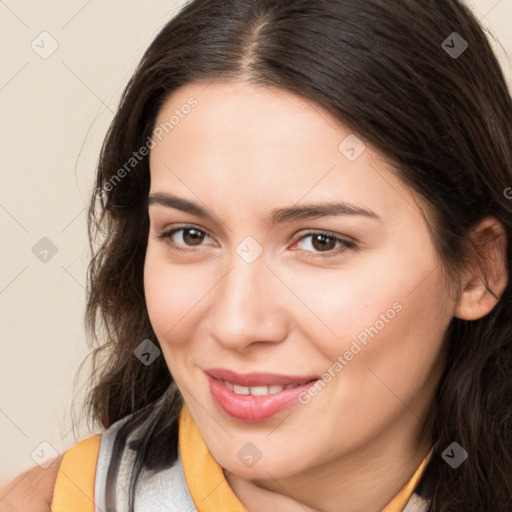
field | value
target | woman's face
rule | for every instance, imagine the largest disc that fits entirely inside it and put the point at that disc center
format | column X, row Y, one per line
column 249, row 289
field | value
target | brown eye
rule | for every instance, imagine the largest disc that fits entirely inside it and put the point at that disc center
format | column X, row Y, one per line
column 323, row 242
column 327, row 243
column 190, row 237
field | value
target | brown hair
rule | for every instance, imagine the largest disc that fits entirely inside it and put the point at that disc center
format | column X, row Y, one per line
column 443, row 120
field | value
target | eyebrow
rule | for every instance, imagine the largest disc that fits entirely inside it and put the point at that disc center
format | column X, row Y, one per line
column 277, row 216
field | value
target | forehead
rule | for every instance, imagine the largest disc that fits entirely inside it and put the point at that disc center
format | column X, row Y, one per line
column 242, row 118
column 267, row 145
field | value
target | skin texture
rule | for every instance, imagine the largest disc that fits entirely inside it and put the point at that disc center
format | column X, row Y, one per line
column 240, row 153
column 31, row 491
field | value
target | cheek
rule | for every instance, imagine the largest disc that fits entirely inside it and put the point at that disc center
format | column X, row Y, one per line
column 347, row 304
column 387, row 326
column 389, row 296
column 170, row 294
column 160, row 296
column 407, row 356
column 377, row 368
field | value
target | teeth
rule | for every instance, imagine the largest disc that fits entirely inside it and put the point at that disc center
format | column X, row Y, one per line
column 241, row 390
column 258, row 390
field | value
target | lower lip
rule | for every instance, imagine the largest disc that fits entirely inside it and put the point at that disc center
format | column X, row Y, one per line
column 253, row 409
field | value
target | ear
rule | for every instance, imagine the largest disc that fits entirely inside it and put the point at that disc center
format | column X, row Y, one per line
column 475, row 300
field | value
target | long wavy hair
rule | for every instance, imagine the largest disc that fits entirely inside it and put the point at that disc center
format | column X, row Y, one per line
column 444, row 122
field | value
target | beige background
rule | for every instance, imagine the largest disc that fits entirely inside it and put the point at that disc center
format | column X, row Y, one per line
column 55, row 112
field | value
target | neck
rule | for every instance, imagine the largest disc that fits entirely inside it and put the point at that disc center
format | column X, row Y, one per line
column 364, row 480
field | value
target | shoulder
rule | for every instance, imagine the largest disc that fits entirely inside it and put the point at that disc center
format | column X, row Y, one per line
column 31, row 491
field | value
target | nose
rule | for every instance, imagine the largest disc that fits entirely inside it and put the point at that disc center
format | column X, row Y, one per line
column 248, row 306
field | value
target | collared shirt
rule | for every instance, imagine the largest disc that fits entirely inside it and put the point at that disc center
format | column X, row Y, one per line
column 194, row 483
column 210, row 490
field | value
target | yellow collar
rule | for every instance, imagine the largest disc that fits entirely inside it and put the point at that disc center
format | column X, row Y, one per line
column 209, row 489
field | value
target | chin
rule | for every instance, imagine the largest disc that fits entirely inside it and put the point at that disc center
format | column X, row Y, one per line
column 262, row 470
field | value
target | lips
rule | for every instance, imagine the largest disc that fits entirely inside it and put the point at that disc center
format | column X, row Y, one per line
column 258, row 379
column 255, row 397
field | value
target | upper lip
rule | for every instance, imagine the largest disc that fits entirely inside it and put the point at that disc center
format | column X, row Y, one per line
column 257, row 378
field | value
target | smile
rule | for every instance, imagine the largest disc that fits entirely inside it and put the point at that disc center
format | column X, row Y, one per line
column 258, row 390
column 254, row 397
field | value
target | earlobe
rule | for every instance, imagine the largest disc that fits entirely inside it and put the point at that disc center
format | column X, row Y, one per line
column 486, row 277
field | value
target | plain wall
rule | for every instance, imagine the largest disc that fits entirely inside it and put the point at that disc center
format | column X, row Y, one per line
column 55, row 112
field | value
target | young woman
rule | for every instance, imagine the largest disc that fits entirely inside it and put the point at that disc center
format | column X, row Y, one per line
column 304, row 223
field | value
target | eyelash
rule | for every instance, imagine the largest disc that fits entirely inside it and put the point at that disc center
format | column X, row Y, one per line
column 346, row 244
